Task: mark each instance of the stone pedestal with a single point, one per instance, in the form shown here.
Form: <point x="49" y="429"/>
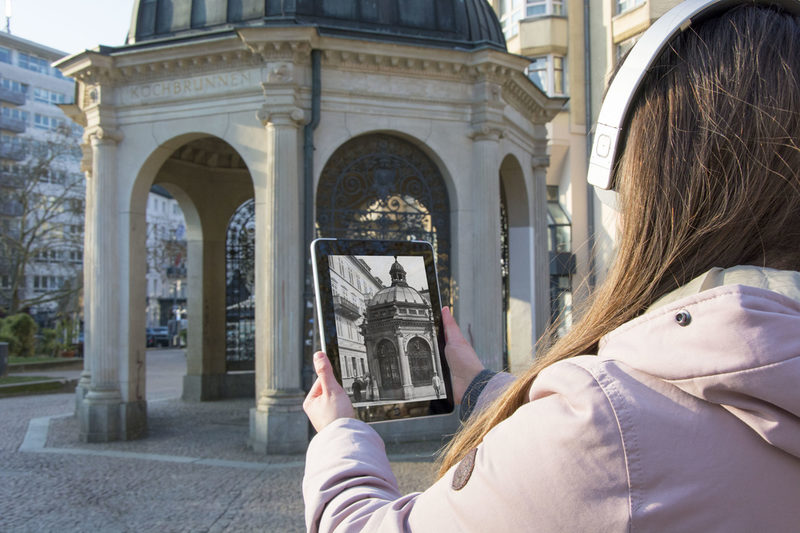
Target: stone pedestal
<point x="278" y="424"/>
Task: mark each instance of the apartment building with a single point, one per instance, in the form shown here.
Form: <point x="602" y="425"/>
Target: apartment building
<point x="166" y="258"/>
<point x="573" y="47"/>
<point x="42" y="187"/>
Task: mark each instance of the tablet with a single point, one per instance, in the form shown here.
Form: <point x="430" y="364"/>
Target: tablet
<point x="380" y="322"/>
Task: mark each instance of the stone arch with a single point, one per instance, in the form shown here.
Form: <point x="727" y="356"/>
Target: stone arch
<point x="381" y="185"/>
<point x="517" y="265"/>
<point x="209" y="179"/>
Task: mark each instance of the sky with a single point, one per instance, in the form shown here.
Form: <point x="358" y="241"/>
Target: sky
<point x="414" y="267"/>
<point x="70" y="25"/>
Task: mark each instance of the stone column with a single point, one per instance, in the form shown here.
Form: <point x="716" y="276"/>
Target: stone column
<point x="405" y="369"/>
<point x="99" y="415"/>
<point x="486" y="307"/>
<point x="85" y="381"/>
<point x="541" y="256"/>
<point x="277" y="423"/>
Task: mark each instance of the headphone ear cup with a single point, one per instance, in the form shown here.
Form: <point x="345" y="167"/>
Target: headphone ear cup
<point x="624" y="87"/>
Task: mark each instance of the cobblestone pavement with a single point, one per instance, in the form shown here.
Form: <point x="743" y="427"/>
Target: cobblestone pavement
<point x="193" y="472"/>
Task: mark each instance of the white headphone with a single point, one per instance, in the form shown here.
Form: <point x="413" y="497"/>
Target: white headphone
<point x="622" y="92"/>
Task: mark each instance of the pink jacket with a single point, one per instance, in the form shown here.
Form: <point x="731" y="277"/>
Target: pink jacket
<point x="690" y="425"/>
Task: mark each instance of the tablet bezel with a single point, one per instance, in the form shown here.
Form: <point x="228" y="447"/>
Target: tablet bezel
<point x="321" y="250"/>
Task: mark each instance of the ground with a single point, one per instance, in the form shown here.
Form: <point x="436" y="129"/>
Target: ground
<point x="193" y="472"/>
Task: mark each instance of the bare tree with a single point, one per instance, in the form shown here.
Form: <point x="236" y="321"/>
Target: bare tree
<point x="41" y="224"/>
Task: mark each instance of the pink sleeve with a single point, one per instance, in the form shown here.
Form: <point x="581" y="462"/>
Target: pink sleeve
<point x="557" y="464"/>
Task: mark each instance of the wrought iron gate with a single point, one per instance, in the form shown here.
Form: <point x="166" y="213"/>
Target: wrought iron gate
<point x="239" y="289"/>
<point x="383" y="187"/>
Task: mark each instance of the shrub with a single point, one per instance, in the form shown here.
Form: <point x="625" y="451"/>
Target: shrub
<point x="48" y="343"/>
<point x="21" y="330"/>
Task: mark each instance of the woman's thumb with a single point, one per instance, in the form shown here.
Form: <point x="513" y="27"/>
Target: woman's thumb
<point x="324" y="371"/>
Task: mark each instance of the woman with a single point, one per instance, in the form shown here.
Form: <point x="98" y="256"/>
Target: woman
<point x="685" y="415"/>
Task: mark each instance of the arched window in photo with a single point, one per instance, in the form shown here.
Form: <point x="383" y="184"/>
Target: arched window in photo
<point x="389" y="365"/>
<point x="420" y="362"/>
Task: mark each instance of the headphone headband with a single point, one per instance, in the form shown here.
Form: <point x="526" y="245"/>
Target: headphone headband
<point x="626" y="83"/>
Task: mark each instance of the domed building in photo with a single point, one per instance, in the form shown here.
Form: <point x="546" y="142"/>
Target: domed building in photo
<point x="272" y="122"/>
<point x="400" y="339"/>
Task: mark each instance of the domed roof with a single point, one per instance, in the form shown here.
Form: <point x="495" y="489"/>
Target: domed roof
<point x="399" y="292"/>
<point x="445" y="23"/>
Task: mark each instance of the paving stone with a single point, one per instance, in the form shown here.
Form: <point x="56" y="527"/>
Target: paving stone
<point x="193" y="472"/>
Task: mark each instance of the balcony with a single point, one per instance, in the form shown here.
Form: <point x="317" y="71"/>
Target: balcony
<point x="12" y="152"/>
<point x="12" y="97"/>
<point x="16" y="125"/>
<point x="543" y="35"/>
<point x="11" y="181"/>
<point x="11" y="209"/>
<point x="345" y="307"/>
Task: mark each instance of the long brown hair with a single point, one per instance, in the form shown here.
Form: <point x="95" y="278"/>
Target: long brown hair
<point x="709" y="177"/>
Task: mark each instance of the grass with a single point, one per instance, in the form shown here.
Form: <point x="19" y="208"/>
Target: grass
<point x="16" y="380"/>
<point x="37" y="359"/>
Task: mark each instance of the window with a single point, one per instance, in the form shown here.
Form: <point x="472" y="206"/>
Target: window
<point x="76" y="256"/>
<point x="15" y="113"/>
<point x="48" y="97"/>
<point x="33" y="63"/>
<point x="512" y="11"/>
<point x="5" y="54"/>
<point x="626" y="5"/>
<point x="547" y="73"/>
<point x="43" y="122"/>
<point x="14" y="86"/>
<point x="540" y="8"/>
<point x="5" y="282"/>
<point x="624" y="47"/>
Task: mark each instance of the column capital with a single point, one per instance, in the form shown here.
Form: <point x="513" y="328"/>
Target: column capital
<point x="486" y="132"/>
<point x="540" y="162"/>
<point x="100" y="133"/>
<point x="281" y="116"/>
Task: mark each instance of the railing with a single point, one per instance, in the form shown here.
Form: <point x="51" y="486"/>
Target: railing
<point x="17" y="125"/>
<point x="12" y="97"/>
<point x="10" y="151"/>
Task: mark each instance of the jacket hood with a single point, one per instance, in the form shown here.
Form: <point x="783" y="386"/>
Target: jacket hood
<point x="737" y="346"/>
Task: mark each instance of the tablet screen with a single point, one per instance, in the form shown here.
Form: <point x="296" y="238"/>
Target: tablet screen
<point x="381" y="326"/>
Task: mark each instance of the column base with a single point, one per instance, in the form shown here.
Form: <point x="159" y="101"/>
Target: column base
<point x="211" y="387"/>
<point x="104" y="417"/>
<point x="278" y="424"/>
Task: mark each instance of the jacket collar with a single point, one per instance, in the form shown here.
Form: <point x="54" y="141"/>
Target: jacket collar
<point x="740" y="349"/>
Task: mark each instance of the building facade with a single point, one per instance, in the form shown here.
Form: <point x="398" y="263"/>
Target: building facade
<point x="336" y="119"/>
<point x="166" y="259"/>
<point x="573" y="47"/>
<point x="43" y="188"/>
<point x="353" y="284"/>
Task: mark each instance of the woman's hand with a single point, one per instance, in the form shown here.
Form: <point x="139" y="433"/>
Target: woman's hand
<point x="462" y="359"/>
<point x="327" y="400"/>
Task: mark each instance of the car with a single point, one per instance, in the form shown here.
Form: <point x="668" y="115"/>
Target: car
<point x="158" y="336"/>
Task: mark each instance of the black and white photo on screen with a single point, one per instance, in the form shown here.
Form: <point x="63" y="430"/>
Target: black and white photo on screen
<point x="388" y="352"/>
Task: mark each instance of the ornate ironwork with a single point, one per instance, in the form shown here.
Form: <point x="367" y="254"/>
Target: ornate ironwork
<point x="389" y="365"/>
<point x="505" y="273"/>
<point x="420" y="362"/>
<point x="240" y="289"/>
<point x="382" y="187"/>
